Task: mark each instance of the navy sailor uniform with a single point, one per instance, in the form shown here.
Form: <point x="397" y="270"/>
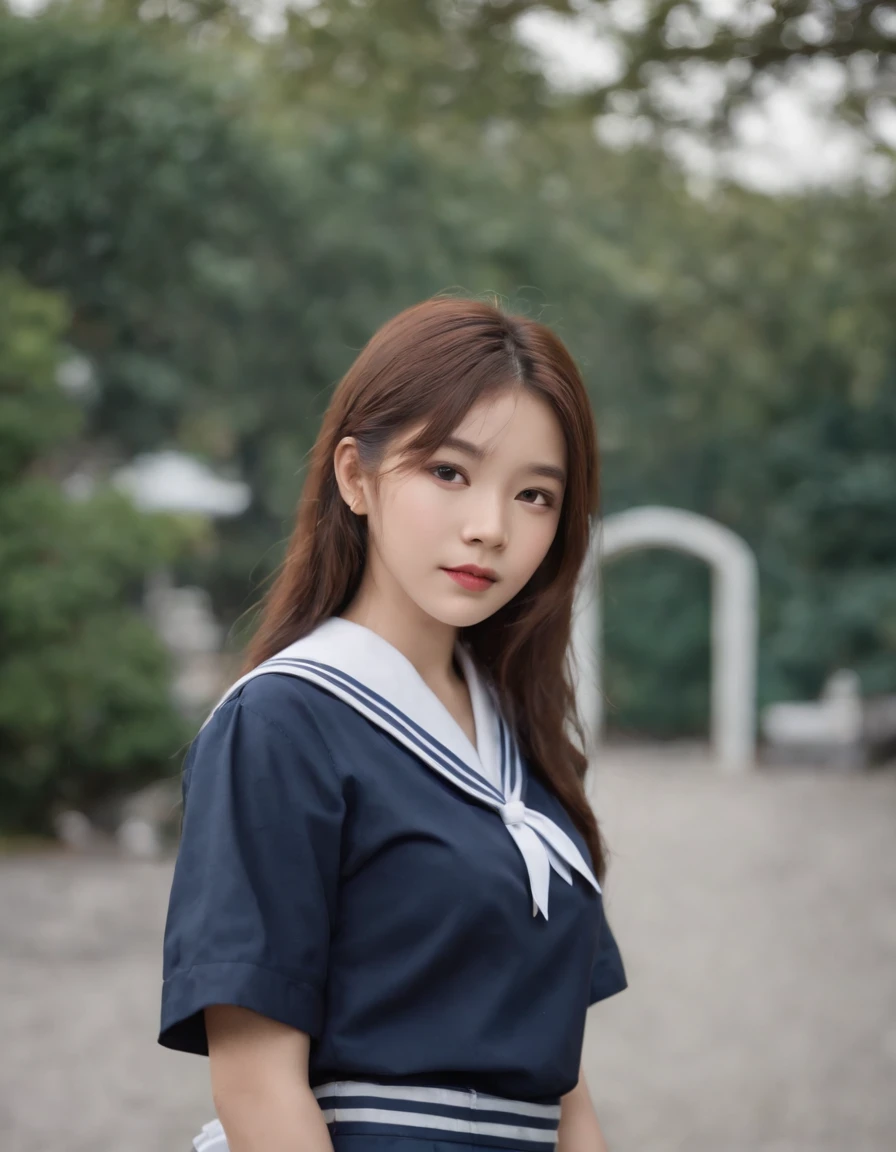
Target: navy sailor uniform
<point x="353" y="866"/>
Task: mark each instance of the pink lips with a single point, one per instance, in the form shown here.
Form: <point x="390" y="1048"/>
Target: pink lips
<point x="470" y="579"/>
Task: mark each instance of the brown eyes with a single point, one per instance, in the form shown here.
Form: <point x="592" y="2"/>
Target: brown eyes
<point x="536" y="492"/>
<point x="448" y="473"/>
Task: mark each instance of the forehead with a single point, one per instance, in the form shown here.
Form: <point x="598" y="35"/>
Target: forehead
<point x="513" y="423"/>
<point x="506" y="426"/>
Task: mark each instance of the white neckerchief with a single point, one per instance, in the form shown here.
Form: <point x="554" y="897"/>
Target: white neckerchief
<point x="357" y="665"/>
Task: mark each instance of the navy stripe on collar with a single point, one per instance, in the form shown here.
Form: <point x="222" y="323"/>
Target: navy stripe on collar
<point x="394" y="717"/>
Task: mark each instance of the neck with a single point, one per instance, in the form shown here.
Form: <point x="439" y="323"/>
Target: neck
<point x="427" y="643"/>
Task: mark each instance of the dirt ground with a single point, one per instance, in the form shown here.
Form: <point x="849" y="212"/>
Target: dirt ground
<point x="757" y="920"/>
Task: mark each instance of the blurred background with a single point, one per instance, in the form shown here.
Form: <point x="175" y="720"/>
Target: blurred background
<point x="206" y="208"/>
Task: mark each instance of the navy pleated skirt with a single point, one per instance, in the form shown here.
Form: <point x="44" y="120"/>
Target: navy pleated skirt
<point x="368" y="1142"/>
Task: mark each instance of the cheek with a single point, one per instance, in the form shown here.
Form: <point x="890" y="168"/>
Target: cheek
<point x="411" y="514"/>
<point x="535" y="534"/>
<point x="421" y="501"/>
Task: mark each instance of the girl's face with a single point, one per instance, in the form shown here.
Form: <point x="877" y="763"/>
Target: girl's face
<point x="489" y="497"/>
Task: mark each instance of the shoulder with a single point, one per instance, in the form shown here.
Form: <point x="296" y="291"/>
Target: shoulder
<point x="284" y="702"/>
<point x="272" y="723"/>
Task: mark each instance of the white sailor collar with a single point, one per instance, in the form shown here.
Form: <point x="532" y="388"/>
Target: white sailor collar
<point x="363" y="669"/>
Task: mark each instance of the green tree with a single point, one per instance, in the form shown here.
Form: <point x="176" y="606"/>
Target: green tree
<point x="747" y="46"/>
<point x="85" y="706"/>
<point x="739" y="349"/>
<point x="414" y="65"/>
<point x="129" y="185"/>
<point x="762" y="393"/>
<point x="131" y="182"/>
<point x="421" y="63"/>
<point x="222" y="274"/>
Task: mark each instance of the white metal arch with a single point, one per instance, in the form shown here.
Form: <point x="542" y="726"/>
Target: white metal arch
<point x="734" y="620"/>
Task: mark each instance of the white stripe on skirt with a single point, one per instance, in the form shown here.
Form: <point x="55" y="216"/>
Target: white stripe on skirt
<point x="430" y="1113"/>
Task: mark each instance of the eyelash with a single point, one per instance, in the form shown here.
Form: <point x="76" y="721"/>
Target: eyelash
<point x="548" y="496"/>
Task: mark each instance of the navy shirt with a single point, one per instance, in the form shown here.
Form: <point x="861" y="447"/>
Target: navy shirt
<point x="328" y="879"/>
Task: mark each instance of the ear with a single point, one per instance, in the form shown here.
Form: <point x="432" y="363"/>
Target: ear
<point x="349" y="475"/>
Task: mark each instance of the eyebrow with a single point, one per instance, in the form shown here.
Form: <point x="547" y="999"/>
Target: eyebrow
<point x="550" y="471"/>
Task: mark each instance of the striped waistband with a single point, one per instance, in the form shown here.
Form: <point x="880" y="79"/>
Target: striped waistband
<point x="353" y="1106"/>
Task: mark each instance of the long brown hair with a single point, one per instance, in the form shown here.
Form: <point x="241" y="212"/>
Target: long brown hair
<point x="429" y="365"/>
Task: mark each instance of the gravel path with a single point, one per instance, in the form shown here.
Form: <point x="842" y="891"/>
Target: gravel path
<point x="757" y="918"/>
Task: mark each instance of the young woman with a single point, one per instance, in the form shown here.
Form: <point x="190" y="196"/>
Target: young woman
<point x="386" y="923"/>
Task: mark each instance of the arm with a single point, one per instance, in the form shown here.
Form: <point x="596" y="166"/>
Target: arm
<point x="579" y="1129"/>
<point x="259" y="1074"/>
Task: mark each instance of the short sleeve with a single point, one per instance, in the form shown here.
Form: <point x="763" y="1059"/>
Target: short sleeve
<point x="255" y="883"/>
<point x="607" y="971"/>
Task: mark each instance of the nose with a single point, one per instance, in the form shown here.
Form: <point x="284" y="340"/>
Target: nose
<point x="487" y="521"/>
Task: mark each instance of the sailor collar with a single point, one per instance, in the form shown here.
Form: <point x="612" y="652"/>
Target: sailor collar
<point x="360" y="667"/>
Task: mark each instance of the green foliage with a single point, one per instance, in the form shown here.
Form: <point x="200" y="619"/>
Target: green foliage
<point x="231" y="222"/>
<point x="130" y="186"/>
<point x="419" y="64"/>
<point x="221" y="277"/>
<point x="407" y="64"/>
<point x="31" y="417"/>
<point x="85" y="707"/>
<point x="657" y="645"/>
<point x="763" y="394"/>
<point x="743" y="47"/>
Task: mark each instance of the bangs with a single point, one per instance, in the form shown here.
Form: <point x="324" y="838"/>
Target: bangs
<point x="485" y="381"/>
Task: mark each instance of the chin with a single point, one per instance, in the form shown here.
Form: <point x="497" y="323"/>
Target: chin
<point x="458" y="615"/>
